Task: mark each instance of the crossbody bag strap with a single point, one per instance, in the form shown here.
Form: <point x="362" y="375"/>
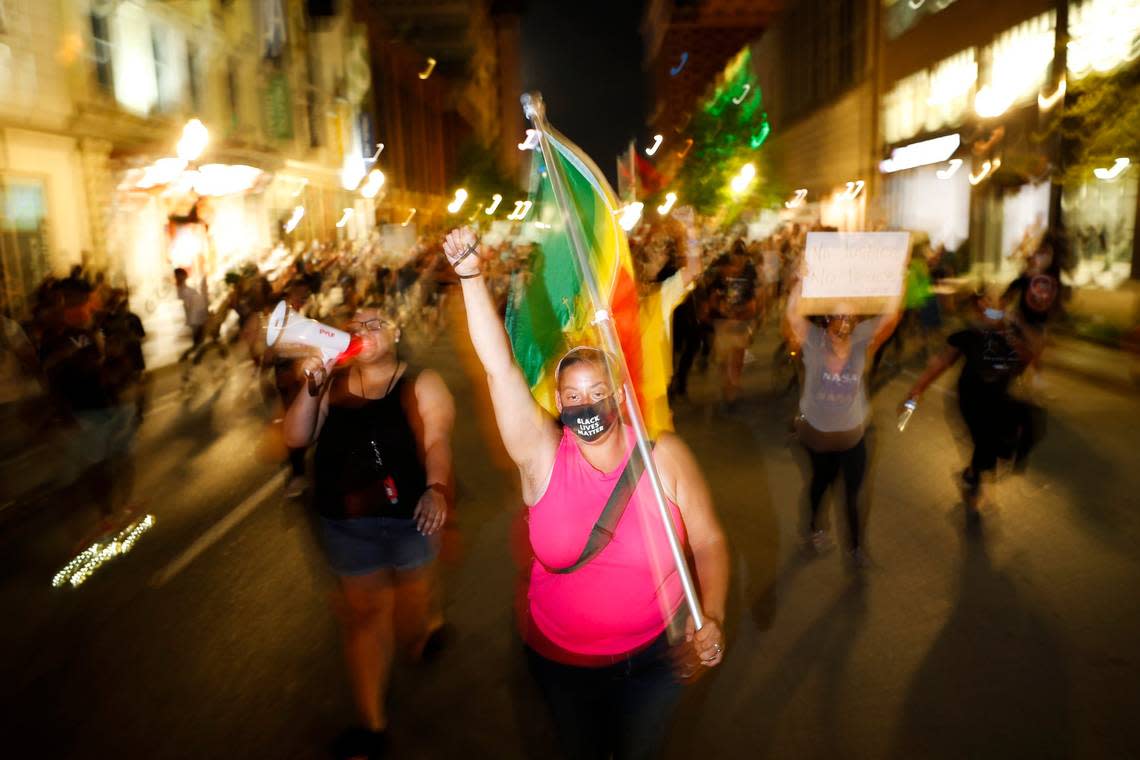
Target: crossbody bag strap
<point x="603" y="531"/>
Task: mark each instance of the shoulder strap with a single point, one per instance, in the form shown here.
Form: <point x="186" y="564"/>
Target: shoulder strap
<point x="603" y="531"/>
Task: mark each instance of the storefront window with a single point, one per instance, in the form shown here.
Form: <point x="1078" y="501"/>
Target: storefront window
<point x="136" y="86"/>
<point x="931" y="199"/>
<point x="1100" y="217"/>
<point x="1025" y="213"/>
<point x="931" y="99"/>
<point x="1016" y="65"/>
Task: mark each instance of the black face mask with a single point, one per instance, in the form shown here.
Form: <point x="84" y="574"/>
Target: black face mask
<point x="590" y="421"/>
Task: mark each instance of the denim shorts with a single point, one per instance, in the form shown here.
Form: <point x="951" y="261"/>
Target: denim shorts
<point x="363" y="545"/>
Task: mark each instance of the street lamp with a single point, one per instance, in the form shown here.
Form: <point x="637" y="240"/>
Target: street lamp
<point x="743" y="179"/>
<point x="194" y="139"/>
<point x="630" y="215"/>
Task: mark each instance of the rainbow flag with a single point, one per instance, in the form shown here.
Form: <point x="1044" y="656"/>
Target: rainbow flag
<point x="549" y="311"/>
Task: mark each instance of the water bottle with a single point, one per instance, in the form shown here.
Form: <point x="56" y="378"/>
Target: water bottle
<point x="905" y="415"/>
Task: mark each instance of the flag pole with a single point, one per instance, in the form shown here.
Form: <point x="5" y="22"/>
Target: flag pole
<point x="535" y="110"/>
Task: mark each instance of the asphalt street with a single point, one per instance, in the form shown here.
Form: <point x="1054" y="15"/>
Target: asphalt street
<point x="1011" y="637"/>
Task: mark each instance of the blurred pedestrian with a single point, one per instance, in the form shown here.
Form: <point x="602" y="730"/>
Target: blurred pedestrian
<point x="382" y="487"/>
<point x="834" y="410"/>
<point x="997" y="348"/>
<point x="598" y="620"/>
<point x="197" y="311"/>
<point x="734" y="308"/>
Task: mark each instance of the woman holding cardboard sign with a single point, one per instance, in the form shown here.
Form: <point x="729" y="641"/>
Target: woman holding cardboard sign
<point x="833" y="406"/>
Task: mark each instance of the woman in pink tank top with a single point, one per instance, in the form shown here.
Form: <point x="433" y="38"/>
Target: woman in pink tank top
<point x="597" y="626"/>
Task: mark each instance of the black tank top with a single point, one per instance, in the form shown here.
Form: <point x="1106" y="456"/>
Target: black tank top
<point x="368" y="458"/>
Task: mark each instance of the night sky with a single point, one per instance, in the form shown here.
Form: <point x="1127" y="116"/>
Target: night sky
<point x="585" y="57"/>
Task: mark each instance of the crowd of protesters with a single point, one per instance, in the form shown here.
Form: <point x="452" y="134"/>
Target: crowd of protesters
<point x="383" y="484"/>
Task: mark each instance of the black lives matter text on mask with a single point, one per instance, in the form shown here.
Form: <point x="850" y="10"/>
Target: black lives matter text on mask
<point x="589" y="426"/>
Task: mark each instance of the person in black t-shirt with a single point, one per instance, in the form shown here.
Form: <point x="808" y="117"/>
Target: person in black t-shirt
<point x="382" y="487"/>
<point x="996" y="350"/>
<point x="1036" y="294"/>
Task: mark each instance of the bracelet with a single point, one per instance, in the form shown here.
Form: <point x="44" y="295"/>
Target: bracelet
<point x="470" y="250"/>
<point x="469" y="276"/>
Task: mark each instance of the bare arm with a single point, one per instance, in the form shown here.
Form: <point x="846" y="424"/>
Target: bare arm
<point x="306" y="415"/>
<point x="934" y="370"/>
<point x="888" y="323"/>
<point x="436" y="410"/>
<point x="795" y="326"/>
<point x="529" y="434"/>
<point x="685" y="485"/>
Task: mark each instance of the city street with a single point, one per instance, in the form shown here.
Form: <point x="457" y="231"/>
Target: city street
<point x="1012" y="637"/>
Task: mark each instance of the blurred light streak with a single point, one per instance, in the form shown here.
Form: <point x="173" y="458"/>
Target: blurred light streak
<point x="990" y="104"/>
<point x="922" y="153"/>
<point x="688" y="147"/>
<point x="295" y="218"/>
<point x="743" y="179"/>
<point x="798" y="199"/>
<point x="496" y="199"/>
<point x="657" y="140"/>
<point x="531" y="141"/>
<point x="854" y="190"/>
<point x="667" y="206"/>
<point x="988" y="168"/>
<point x="630" y="215"/>
<point x="373" y="184"/>
<point x="376" y="155"/>
<point x="743" y="94"/>
<point x="194" y="139"/>
<point x="83" y="566"/>
<point x="224" y="179"/>
<point x="430" y="68"/>
<point x="161" y="172"/>
<point x="457" y="203"/>
<point x="522" y="208"/>
<point x="301" y="189"/>
<point x="408" y="221"/>
<point x="344" y="218"/>
<point x="677" y="69"/>
<point x="951" y="170"/>
<point x="1115" y="171"/>
<point x="915" y="6"/>
<point x="1045" y="102"/>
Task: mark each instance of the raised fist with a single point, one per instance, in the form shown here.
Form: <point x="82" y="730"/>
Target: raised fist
<point x="462" y="251"/>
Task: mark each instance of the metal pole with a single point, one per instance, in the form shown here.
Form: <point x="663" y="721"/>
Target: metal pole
<point x="535" y="110"/>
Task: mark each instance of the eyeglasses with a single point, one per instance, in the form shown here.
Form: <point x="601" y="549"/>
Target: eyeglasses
<point x="369" y="325"/>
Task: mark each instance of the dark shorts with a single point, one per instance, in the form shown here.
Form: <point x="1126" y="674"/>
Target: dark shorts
<point x="363" y="545"/>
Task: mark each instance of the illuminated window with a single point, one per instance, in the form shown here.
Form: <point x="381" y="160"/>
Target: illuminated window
<point x="1018" y="63"/>
<point x="1103" y="34"/>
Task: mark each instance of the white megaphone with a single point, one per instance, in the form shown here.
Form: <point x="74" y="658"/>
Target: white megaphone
<point x="287" y="328"/>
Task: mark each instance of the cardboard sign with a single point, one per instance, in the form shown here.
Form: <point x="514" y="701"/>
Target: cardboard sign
<point x="854" y="272"/>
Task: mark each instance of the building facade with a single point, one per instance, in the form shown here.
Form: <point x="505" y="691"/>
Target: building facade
<point x="96" y="168"/>
<point x="970" y="91"/>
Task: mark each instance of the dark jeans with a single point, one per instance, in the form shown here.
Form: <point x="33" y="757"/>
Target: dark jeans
<point x="1000" y="428"/>
<point x="620" y="711"/>
<point x="825" y="466"/>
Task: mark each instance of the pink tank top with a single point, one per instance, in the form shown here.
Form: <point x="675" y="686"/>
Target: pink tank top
<point x="621" y="599"/>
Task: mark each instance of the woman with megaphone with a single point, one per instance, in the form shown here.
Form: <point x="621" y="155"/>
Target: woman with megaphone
<point x="382" y="488"/>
